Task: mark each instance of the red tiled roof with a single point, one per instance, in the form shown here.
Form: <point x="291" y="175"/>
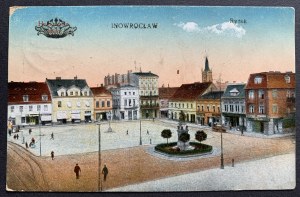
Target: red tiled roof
<point x="100" y="90"/>
<point x="190" y="91"/>
<point x="166" y="93"/>
<point x="271" y="80"/>
<point x="34" y="90"/>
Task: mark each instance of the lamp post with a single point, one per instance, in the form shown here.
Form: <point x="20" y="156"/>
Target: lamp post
<point x="99" y="159"/>
<point x="222" y="158"/>
<point x="140" y="131"/>
<point x="40" y="133"/>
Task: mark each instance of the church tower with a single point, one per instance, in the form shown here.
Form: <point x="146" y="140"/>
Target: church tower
<point x="207" y="73"/>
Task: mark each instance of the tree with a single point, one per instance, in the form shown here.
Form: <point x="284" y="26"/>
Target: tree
<point x="184" y="137"/>
<point x="200" y="136"/>
<point x="166" y="133"/>
<point x="181" y="116"/>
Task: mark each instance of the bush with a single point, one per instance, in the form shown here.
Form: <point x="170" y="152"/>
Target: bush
<point x="198" y="149"/>
<point x="288" y="123"/>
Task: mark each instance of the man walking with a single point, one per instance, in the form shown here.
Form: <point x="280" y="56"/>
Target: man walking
<point x="105" y="172"/>
<point x="52" y="155"/>
<point x="77" y="170"/>
<point x="52" y="136"/>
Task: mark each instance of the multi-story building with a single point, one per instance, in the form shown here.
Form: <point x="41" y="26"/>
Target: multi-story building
<point x="28" y="103"/>
<point x="72" y="100"/>
<point x="233" y="106"/>
<point x="112" y="81"/>
<point x="102" y="103"/>
<point x="268" y="96"/>
<point x="147" y="84"/>
<point x="208" y="108"/>
<point x="125" y="103"/>
<point x="165" y="93"/>
<point x="185" y="98"/>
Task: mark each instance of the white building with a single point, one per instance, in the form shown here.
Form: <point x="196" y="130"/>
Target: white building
<point x="126" y="103"/>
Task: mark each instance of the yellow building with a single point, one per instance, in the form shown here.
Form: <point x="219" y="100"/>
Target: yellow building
<point x="72" y="100"/>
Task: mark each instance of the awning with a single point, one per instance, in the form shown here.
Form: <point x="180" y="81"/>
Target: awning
<point x="46" y="117"/>
<point x="61" y="115"/>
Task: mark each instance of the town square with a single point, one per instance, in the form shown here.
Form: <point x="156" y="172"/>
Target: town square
<point x="174" y="101"/>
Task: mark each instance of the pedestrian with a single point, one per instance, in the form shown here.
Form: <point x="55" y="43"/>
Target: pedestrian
<point x="30" y="131"/>
<point x="33" y="140"/>
<point x="26" y="145"/>
<point x="232" y="162"/>
<point x="150" y="141"/>
<point x="242" y="131"/>
<point x="52" y="155"/>
<point x="153" y="119"/>
<point x="105" y="172"/>
<point x="52" y="136"/>
<point x="17" y="136"/>
<point x="127" y="132"/>
<point x="77" y="170"/>
<point x="147" y="132"/>
<point x="9" y="132"/>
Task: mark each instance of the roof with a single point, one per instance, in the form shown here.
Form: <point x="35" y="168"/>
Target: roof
<point x="191" y="91"/>
<point x="100" y="91"/>
<point x="212" y="95"/>
<point x="34" y="90"/>
<point x="145" y="74"/>
<point x="235" y="88"/>
<point x="271" y="80"/>
<point x="223" y="86"/>
<point x="167" y="92"/>
<point x="206" y="65"/>
<point x="55" y="84"/>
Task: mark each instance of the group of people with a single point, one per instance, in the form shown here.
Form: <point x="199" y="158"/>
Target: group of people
<point x="77" y="171"/>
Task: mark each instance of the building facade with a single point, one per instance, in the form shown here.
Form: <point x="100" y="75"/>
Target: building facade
<point x="72" y="100"/>
<point x="147" y="84"/>
<point x="102" y="103"/>
<point x="268" y="96"/>
<point x="125" y="103"/>
<point x="185" y="99"/>
<point x="233" y="106"/>
<point x="165" y="93"/>
<point x="28" y="103"/>
<point x="112" y="81"/>
<point x="208" y="108"/>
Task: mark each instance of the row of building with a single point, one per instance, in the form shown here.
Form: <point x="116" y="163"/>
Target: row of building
<point x="261" y="105"/>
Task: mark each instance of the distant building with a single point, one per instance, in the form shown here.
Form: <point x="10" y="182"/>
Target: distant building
<point x="147" y="84"/>
<point x="115" y="80"/>
<point x="72" y="100"/>
<point x="207" y="73"/>
<point x="165" y="93"/>
<point x="233" y="106"/>
<point x="126" y="103"/>
<point x="185" y="98"/>
<point x="270" y="98"/>
<point x="27" y="101"/>
<point x="102" y="103"/>
<point x="208" y="108"/>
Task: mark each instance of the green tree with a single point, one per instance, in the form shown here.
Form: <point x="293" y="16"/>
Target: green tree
<point x="184" y="137"/>
<point x="200" y="136"/>
<point x="166" y="133"/>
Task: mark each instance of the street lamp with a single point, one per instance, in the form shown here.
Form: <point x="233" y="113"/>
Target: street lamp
<point x="99" y="159"/>
<point x="40" y="133"/>
<point x="140" y="131"/>
<point x="109" y="118"/>
<point x="222" y="158"/>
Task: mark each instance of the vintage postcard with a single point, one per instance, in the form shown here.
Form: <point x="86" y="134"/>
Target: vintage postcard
<point x="151" y="98"/>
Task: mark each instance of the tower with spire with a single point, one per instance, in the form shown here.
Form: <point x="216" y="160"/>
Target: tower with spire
<point x="207" y="73"/>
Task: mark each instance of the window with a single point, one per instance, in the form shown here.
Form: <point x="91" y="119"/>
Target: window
<point x="25" y="98"/>
<point x="251" y="94"/>
<point x="21" y="109"/>
<point x="198" y="108"/>
<point x="125" y="93"/>
<point x="129" y="101"/>
<point x="191" y="105"/>
<point x="287" y="79"/>
<point x="125" y="102"/>
<point x="243" y="109"/>
<point x="97" y="104"/>
<point x="231" y="108"/>
<point x="76" y="93"/>
<point x="62" y="94"/>
<point x="179" y="105"/>
<point x="257" y="80"/>
<point x="59" y="104"/>
<point x="226" y="108"/>
<point x="275" y="108"/>
<point x="288" y="93"/>
<point x="214" y="108"/>
<point x="237" y="108"/>
<point x="12" y="108"/>
<point x="129" y="93"/>
<point x="218" y="108"/>
<point x="108" y="103"/>
<point x="45" y="107"/>
<point x="133" y="102"/>
<point x="38" y="107"/>
<point x="261" y="94"/>
<point x="30" y="107"/>
<point x="234" y="92"/>
<point x="274" y="93"/>
<point x="133" y="93"/>
<point x="261" y="109"/>
<point x="102" y="104"/>
<point x="207" y="107"/>
<point x="251" y="108"/>
<point x="85" y="93"/>
<point x="44" y="97"/>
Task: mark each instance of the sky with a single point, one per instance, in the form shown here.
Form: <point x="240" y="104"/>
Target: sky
<point x="183" y="38"/>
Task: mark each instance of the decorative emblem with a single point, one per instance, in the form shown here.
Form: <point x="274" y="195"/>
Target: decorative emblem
<point x="55" y="28"/>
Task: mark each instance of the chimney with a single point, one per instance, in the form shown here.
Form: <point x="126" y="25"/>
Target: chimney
<point x="233" y="81"/>
<point x="58" y="78"/>
<point x="75" y="77"/>
<point x="101" y="84"/>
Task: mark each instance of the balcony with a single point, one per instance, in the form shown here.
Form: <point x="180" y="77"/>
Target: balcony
<point x="150" y="106"/>
<point x="131" y="107"/>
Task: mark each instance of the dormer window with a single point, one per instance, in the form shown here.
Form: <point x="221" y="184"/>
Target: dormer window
<point x="257" y="80"/>
<point x="234" y="92"/>
<point x="287" y="79"/>
<point x="25" y="98"/>
<point x="44" y="97"/>
<point x="71" y="93"/>
<point x="62" y="94"/>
